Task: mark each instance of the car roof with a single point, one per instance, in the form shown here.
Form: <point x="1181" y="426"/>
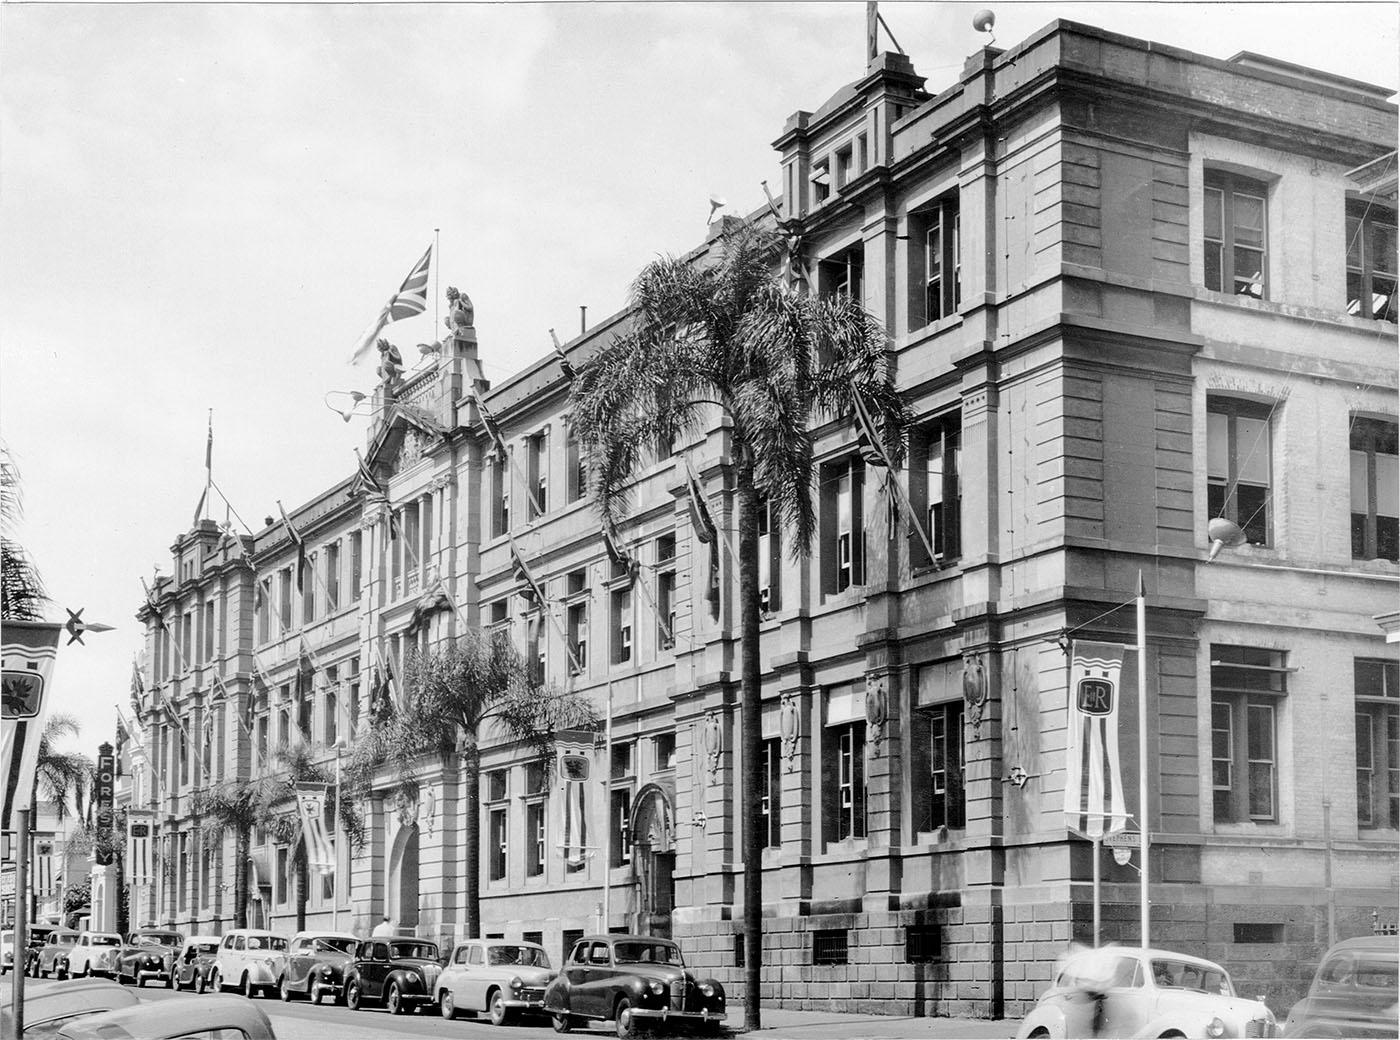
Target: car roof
<point x="325" y="935"/>
<point x="629" y="938"/>
<point x="156" y="931"/>
<point x="1152" y="953"/>
<point x="1384" y="943"/>
<point x="103" y="935"/>
<point x="66" y="998"/>
<point x="203" y="938"/>
<point x="171" y="1018"/>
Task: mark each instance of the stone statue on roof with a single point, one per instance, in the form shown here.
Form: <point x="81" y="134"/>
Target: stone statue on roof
<point x="462" y="314"/>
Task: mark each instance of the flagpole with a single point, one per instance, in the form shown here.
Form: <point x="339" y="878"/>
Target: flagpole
<point x="21" y="918"/>
<point x="1142" y="761"/>
<point x="437" y="274"/>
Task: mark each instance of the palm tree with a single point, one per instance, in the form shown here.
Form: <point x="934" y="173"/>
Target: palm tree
<point x="772" y="359"/>
<point x="21" y="589"/>
<point x="62" y="775"/>
<point x="237" y="806"/>
<point x="453" y="691"/>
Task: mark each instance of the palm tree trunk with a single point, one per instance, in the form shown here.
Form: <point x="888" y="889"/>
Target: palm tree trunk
<point x="240" y="878"/>
<point x="299" y="862"/>
<point x="471" y="837"/>
<point x="751" y="756"/>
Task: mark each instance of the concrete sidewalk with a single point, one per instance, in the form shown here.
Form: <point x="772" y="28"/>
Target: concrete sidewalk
<point x="830" y="1025"/>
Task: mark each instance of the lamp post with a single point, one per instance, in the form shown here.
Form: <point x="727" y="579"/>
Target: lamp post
<point x="1142" y="753"/>
<point x="336" y="893"/>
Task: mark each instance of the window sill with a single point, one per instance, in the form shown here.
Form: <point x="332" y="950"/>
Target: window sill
<point x="1246" y="828"/>
<point x="846" y="848"/>
<point x="933" y="328"/>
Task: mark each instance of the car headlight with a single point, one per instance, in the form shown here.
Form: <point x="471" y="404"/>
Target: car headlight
<point x="707" y="989"/>
<point x="517" y="983"/>
<point x="657" y="987"/>
<point x="327" y="971"/>
<point x="1215" y="1027"/>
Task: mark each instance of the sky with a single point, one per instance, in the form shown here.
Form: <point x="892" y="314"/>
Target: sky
<point x="202" y="206"/>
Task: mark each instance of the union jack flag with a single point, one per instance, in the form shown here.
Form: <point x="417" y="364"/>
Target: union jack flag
<point x="411" y="299"/>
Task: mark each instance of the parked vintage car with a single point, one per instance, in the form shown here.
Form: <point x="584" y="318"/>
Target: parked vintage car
<point x="1354" y="992"/>
<point x="503" y="978"/>
<point x="636" y="981"/>
<point x="7" y="950"/>
<point x="316" y="966"/>
<point x="149" y="954"/>
<point x="401" y="974"/>
<point x="95" y="953"/>
<point x="53" y="955"/>
<point x="50" y="1009"/>
<point x="194" y="962"/>
<point x="38" y="938"/>
<point x="203" y="1017"/>
<point x="250" y="960"/>
<point x="1145" y="993"/>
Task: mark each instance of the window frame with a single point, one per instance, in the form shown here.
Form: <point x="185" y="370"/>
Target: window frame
<point x="934" y="267"/>
<point x="843" y="764"/>
<point x="1229" y="187"/>
<point x="843" y="565"/>
<point x="1362" y="217"/>
<point x="1248" y="687"/>
<point x="1223" y="493"/>
<point x="1377" y="699"/>
<point x="1367" y="437"/>
<point x="771" y="801"/>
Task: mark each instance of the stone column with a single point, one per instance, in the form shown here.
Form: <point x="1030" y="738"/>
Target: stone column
<point x="799" y="810"/>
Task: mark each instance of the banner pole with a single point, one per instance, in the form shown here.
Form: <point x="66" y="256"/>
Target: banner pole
<point x="1142" y="756"/>
<point x="1097" y="845"/>
<point x="21" y="918"/>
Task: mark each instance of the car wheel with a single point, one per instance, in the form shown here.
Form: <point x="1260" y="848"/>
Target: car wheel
<point x="61" y="973"/>
<point x="563" y="1023"/>
<point x="313" y="993"/>
<point x="249" y="990"/>
<point x="283" y="991"/>
<point x="394" y="1000"/>
<point x="446" y="1005"/>
<point x="1041" y="1034"/>
<point x="500" y="1014"/>
<point x="87" y="971"/>
<point x="622" y="1019"/>
<point x="200" y="982"/>
<point x="170" y="981"/>
<point x="352" y="996"/>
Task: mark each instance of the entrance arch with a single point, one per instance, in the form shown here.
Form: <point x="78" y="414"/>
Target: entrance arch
<point x="654" y="858"/>
<point x="401" y="893"/>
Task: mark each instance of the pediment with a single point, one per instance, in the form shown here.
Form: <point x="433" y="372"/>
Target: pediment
<point x="407" y="435"/>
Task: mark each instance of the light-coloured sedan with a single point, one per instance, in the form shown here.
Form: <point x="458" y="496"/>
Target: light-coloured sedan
<point x="95" y="953"/>
<point x="250" y="960"/>
<point x="501" y="978"/>
<point x="1147" y="993"/>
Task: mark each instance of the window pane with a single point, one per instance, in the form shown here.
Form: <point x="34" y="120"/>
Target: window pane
<point x="1353" y="241"/>
<point x="1252" y="449"/>
<point x="1261" y="789"/>
<point x="1387" y="485"/>
<point x="1213" y="203"/>
<point x="1253" y="515"/>
<point x="1380" y="247"/>
<point x="1249" y="219"/>
<point x="1359" y="488"/>
<point x="1214" y="265"/>
<point x="1249" y="272"/>
<point x="1261" y="733"/>
<point x="1218" y="445"/>
<point x="1355" y="290"/>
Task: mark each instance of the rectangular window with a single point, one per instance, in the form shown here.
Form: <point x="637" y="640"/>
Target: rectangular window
<point x="308" y="591"/>
<point x="923" y="943"/>
<point x="186" y="640"/>
<point x="284" y="876"/>
<point x="841" y="274"/>
<point x="500" y="496"/>
<point x="770" y="560"/>
<point x="666" y="609"/>
<point x="356" y="564"/>
<point x="1371" y="245"/>
<point x="209" y="629"/>
<point x="262" y="608"/>
<point x="332" y="711"/>
<point x="843" y="762"/>
<point x="284" y="599"/>
<point x="663" y="752"/>
<point x="940" y="798"/>
<point x="262" y="738"/>
<point x="534" y="839"/>
<point x="535" y="648"/>
<point x="1377" y="686"/>
<point x="1247" y="687"/>
<point x="843" y="530"/>
<point x="578" y="638"/>
<point x="935" y="262"/>
<point x="935" y="489"/>
<point x="830" y="946"/>
<point x="620" y="817"/>
<point x="1375" y="490"/>
<point x="621" y="621"/>
<point x="1239" y="465"/>
<point x="620" y="765"/>
<point x="427" y="511"/>
<point x="537" y="473"/>
<point x="845" y="161"/>
<point x="497" y="785"/>
<point x="771" y="804"/>
<point x="497" y="833"/>
<point x="821" y="181"/>
<point x="332" y="577"/>
<point x="1252" y="932"/>
<point x="1236" y="235"/>
<point x="575" y="469"/>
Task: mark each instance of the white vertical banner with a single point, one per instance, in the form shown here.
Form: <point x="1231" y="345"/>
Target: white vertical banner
<point x="140" y="829"/>
<point x="311" y="803"/>
<point x="27" y="656"/>
<point x="41" y="875"/>
<point x="1094" y="803"/>
<point x="574" y="750"/>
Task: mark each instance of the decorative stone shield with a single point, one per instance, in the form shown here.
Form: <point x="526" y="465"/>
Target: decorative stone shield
<point x="876" y="712"/>
<point x="974" y="689"/>
<point x="789" y="728"/>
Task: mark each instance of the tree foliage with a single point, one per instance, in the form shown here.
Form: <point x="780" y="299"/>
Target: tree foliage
<point x="724" y="334"/>
<point x="63" y="777"/>
<point x="21" y="589"/>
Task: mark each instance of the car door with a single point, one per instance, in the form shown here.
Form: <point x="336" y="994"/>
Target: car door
<point x="579" y="973"/>
<point x="1128" y="1005"/>
<point x="299" y="962"/>
<point x="376" y="970"/>
<point x="472" y="988"/>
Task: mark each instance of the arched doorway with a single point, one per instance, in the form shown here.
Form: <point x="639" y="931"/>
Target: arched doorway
<point x="401" y="894"/>
<point x="654" y="859"/>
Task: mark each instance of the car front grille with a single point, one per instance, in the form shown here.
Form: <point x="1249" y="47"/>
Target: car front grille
<point x="678" y="994"/>
<point x="1260" y="1027"/>
<point x="530" y="993"/>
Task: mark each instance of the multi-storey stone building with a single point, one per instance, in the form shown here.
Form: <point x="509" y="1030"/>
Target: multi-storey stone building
<point x="1129" y="290"/>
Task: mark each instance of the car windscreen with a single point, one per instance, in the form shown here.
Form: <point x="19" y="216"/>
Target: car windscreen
<point x="423" y="951"/>
<point x="157" y="940"/>
<point x="207" y="947"/>
<point x="326" y="944"/>
<point x="646" y="953"/>
<point x="1169" y="974"/>
<point x="267" y="942"/>
<point x="106" y="940"/>
<point x="523" y="956"/>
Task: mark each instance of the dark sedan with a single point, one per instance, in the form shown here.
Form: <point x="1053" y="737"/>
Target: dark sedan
<point x="149" y="954"/>
<point x="400" y="974"/>
<point x="317" y="963"/>
<point x="194" y="964"/>
<point x="635" y="981"/>
<point x="1355" y="992"/>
